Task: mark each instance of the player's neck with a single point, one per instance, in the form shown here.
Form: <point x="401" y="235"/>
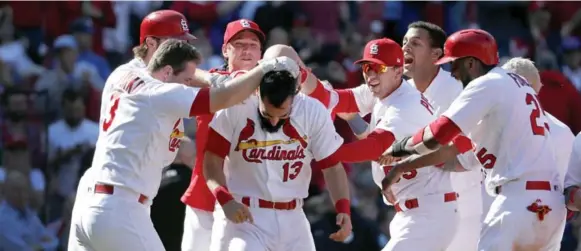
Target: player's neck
<point x="424" y="78"/>
<point x="392" y="90"/>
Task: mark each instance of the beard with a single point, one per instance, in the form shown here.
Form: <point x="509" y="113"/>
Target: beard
<point x="268" y="127"/>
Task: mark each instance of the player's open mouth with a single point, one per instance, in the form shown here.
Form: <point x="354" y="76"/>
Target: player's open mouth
<point x="408" y="60"/>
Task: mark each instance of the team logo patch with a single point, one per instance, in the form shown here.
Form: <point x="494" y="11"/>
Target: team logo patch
<point x="184" y="24"/>
<point x="374" y="49"/>
<point x="245" y="23"/>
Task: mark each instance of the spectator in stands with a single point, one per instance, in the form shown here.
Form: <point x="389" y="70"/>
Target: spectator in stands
<point x="21" y="229"/>
<point x="559" y="98"/>
<point x="17" y="123"/>
<point x="68" y="73"/>
<point x="60" y="228"/>
<point x="16" y="157"/>
<point x="277" y="36"/>
<point x="60" y="15"/>
<point x="572" y="60"/>
<point x="69" y="140"/>
<point x="82" y="29"/>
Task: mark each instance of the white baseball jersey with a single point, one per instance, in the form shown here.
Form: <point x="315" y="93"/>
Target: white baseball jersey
<point x="275" y="166"/>
<point x="573" y="176"/>
<point x="403" y="113"/>
<point x="562" y="140"/>
<point x="441" y="93"/>
<point x="140" y="128"/>
<point x="502" y="116"/>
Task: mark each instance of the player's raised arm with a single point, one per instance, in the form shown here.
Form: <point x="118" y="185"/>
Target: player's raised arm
<point x="238" y="89"/>
<point x="479" y="97"/>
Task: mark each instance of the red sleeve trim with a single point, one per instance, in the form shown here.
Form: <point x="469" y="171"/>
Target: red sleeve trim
<point x="347" y="102"/>
<point x="444" y="130"/>
<point x="572" y="194"/>
<point x="201" y="104"/>
<point x="222" y="195"/>
<point x="321" y="94"/>
<point x="217" y="144"/>
<point x="343" y="206"/>
<point x="367" y="149"/>
<point x="463" y="144"/>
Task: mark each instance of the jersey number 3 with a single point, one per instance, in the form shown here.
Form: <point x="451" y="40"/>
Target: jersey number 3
<point x="112" y="111"/>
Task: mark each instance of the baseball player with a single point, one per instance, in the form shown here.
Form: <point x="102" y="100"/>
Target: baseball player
<point x="243" y="42"/>
<point x="511" y="143"/>
<point x="141" y="126"/>
<point x="423" y="44"/>
<point x="573" y="178"/>
<point x="561" y="136"/>
<point x="397" y="109"/>
<point x="270" y="140"/>
<point x="155" y="28"/>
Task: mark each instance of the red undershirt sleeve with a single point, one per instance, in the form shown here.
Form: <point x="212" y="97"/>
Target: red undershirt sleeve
<point x="201" y="104"/>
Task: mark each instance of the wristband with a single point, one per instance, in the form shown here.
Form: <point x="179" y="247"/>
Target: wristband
<point x="572" y="194"/>
<point x="222" y="195"/>
<point x="343" y="206"/>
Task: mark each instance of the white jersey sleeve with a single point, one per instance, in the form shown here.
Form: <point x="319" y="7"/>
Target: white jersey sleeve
<point x="478" y="99"/>
<point x="324" y="138"/>
<point x="364" y="99"/>
<point x="176" y="99"/>
<point x="224" y="122"/>
<point x="573" y="176"/>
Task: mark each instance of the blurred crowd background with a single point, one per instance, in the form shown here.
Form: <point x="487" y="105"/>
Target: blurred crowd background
<point x="56" y="56"/>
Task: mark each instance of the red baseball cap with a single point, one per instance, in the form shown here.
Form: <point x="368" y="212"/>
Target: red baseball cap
<point x="240" y="25"/>
<point x="382" y="51"/>
<point x="165" y="23"/>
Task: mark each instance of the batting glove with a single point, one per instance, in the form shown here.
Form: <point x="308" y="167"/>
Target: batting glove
<point x="280" y="64"/>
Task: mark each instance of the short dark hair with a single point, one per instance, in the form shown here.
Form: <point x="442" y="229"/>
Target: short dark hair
<point x="71" y="95"/>
<point x="437" y="34"/>
<point x="175" y="53"/>
<point x="277" y="86"/>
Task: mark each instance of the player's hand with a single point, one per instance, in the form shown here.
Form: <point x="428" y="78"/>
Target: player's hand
<point x="281" y="63"/>
<point x="391" y="178"/>
<point x="387" y="159"/>
<point x="344" y="222"/>
<point x="237" y="212"/>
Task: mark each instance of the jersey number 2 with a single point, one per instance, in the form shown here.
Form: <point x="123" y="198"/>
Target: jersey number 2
<point x="291" y="171"/>
<point x="109" y="120"/>
<point x="531" y="99"/>
<point x="536" y="114"/>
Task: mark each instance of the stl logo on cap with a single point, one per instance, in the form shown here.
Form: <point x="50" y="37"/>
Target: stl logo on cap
<point x="245" y="23"/>
<point x="374" y="49"/>
<point x="184" y="24"/>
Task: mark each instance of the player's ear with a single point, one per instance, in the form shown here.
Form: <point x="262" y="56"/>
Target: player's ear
<point x="437" y="53"/>
<point x="224" y="51"/>
<point x="167" y="72"/>
<point x="151" y="43"/>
